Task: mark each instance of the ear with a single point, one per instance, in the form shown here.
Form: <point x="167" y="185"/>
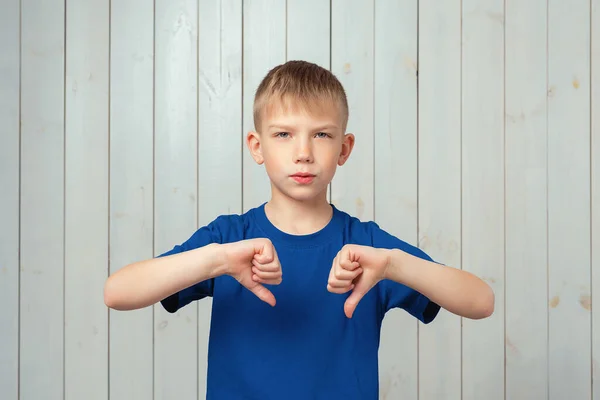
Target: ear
<point x="253" y="143"/>
<point x="347" y="146"/>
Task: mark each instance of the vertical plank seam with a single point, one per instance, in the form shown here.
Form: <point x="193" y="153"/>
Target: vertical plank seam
<point x="197" y="179"/>
<point x="461" y="188"/>
<point x="242" y="17"/>
<point x="591" y="122"/>
<point x="547" y="207"/>
<point x="153" y="182"/>
<point x="286" y="30"/>
<point x="504" y="184"/>
<point x="220" y="44"/>
<point x="64" y="184"/>
<point x="109" y="186"/>
<point x="20" y="201"/>
<point x="417" y="133"/>
<point x="331" y="69"/>
<point x="373" y="188"/>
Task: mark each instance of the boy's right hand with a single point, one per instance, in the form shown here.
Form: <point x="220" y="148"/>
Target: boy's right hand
<point x="252" y="263"/>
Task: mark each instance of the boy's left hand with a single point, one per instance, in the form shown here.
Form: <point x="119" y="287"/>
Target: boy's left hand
<point x="357" y="268"/>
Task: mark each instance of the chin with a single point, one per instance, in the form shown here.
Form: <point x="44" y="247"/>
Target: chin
<point x="304" y="194"/>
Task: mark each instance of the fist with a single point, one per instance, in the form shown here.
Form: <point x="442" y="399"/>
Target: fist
<point x="254" y="263"/>
<point x="356" y="268"/>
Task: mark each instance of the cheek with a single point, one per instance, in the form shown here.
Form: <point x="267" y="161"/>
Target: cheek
<point x="329" y="155"/>
<point x="272" y="157"/>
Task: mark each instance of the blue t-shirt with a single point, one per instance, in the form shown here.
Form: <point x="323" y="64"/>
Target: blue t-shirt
<point x="305" y="347"/>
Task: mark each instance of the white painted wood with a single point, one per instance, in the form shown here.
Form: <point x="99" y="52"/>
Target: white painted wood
<point x="439" y="207"/>
<point x="9" y="200"/>
<point x="483" y="191"/>
<point x="86" y="200"/>
<point x="60" y="222"/>
<point x="595" y="188"/>
<point x="219" y="136"/>
<point x="42" y="200"/>
<point x="308" y="32"/>
<point x="175" y="152"/>
<point x="395" y="177"/>
<point x="352" y="61"/>
<point x="264" y="48"/>
<point x="526" y="342"/>
<point x="220" y="133"/>
<point x="569" y="200"/>
<point x="131" y="189"/>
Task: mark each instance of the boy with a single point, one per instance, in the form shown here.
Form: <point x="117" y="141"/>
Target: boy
<point x="299" y="287"/>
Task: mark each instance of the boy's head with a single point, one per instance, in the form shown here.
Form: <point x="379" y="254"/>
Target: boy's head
<point x="300" y="119"/>
<point x="300" y="86"/>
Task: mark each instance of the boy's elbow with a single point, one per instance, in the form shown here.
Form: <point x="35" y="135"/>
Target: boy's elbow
<point x="111" y="296"/>
<point x="487" y="304"/>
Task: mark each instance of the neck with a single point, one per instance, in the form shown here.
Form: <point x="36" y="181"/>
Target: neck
<point x="299" y="217"/>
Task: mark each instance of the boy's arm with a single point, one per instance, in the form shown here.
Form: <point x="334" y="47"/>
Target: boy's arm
<point x="455" y="290"/>
<point x="359" y="268"/>
<point x="252" y="262"/>
<point x="144" y="283"/>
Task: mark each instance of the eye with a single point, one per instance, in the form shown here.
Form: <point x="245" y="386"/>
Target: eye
<point x="282" y="134"/>
<point x="322" y="135"/>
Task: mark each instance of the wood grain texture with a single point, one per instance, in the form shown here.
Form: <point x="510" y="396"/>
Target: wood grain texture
<point x="86" y="199"/>
<point x="220" y="144"/>
<point x="42" y="200"/>
<point x="526" y="341"/>
<point x="131" y="189"/>
<point x="264" y="48"/>
<point x="175" y="185"/>
<point x="569" y="199"/>
<point x="395" y="176"/>
<point x="220" y="134"/>
<point x="595" y="192"/>
<point x="439" y="207"/>
<point x="477" y="139"/>
<point x="10" y="44"/>
<point x="308" y="27"/>
<point x="482" y="186"/>
<point x="352" y="61"/>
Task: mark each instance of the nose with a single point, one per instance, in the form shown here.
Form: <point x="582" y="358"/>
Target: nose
<point x="304" y="152"/>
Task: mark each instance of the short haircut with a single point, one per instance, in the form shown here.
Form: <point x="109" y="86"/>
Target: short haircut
<point x="300" y="83"/>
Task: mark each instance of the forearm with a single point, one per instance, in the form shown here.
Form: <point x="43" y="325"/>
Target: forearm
<point x="144" y="283"/>
<point x="457" y="291"/>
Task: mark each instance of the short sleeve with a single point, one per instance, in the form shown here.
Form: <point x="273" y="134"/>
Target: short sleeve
<point x="205" y="235"/>
<point x="396" y="295"/>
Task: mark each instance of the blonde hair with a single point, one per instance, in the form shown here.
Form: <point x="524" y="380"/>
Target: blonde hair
<point x="299" y="84"/>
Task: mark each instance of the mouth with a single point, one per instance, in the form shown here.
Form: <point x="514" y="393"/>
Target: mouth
<point x="303" y="177"/>
<point x="303" y="174"/>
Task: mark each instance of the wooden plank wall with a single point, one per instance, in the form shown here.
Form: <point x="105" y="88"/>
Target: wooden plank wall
<point x="478" y="138"/>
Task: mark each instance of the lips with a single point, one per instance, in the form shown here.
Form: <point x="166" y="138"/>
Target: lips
<point x="303" y="177"/>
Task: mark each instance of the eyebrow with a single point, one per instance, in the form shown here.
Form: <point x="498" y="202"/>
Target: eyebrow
<point x="291" y="128"/>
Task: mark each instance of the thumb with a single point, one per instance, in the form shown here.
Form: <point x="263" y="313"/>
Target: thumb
<point x="355" y="297"/>
<point x="264" y="253"/>
<point x="263" y="293"/>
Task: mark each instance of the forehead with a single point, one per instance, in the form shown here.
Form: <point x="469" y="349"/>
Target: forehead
<point x="302" y="114"/>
